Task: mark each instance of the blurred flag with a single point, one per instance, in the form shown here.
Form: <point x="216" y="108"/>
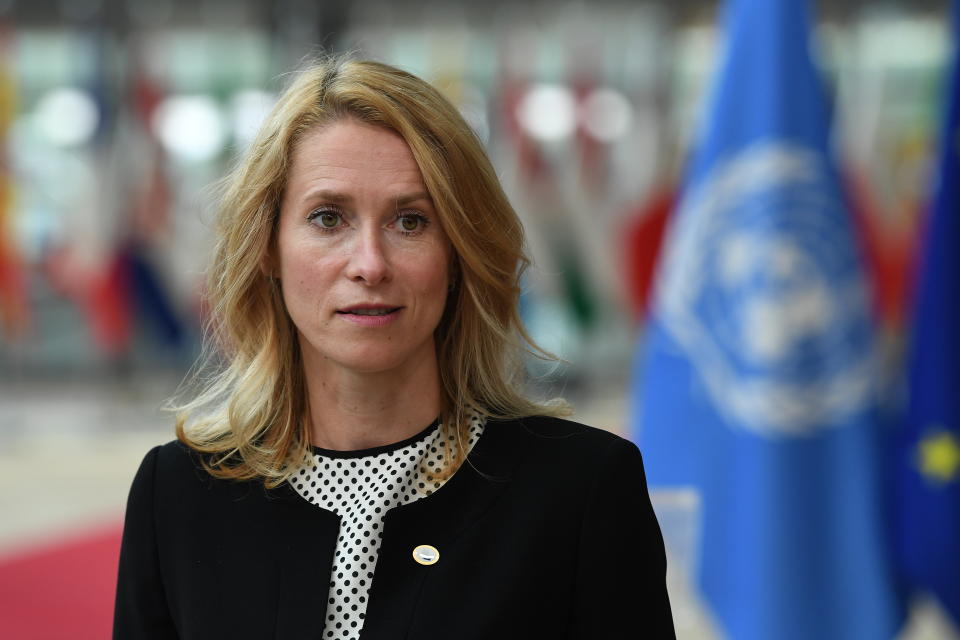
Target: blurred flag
<point x="928" y="465"/>
<point x="149" y="222"/>
<point x="889" y="252"/>
<point x="14" y="288"/>
<point x="755" y="386"/>
<point x="642" y="238"/>
<point x="107" y="296"/>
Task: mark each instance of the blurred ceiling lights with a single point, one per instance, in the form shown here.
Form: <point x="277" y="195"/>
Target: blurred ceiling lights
<point x="550" y="113"/>
<point x="547" y="112"/>
<point x="190" y="127"/>
<point x="606" y="114"/>
<point x="249" y="108"/>
<point x="66" y="117"/>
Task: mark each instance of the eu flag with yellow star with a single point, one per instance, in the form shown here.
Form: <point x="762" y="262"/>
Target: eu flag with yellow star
<point x="928" y="469"/>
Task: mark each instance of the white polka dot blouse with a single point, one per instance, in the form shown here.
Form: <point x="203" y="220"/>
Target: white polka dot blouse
<point x="361" y="487"/>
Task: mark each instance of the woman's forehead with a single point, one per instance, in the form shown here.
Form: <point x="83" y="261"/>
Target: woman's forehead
<point x="339" y="157"/>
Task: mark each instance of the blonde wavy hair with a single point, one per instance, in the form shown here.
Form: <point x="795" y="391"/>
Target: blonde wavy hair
<point x="252" y="413"/>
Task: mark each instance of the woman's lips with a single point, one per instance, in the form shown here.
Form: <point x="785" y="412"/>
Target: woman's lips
<point x="370" y="316"/>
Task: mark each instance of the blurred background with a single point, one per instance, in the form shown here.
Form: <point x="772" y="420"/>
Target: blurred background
<point x="117" y="117"/>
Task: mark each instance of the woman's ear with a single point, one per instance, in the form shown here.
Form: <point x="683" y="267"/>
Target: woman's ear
<point x="268" y="264"/>
<point x="266" y="267"/>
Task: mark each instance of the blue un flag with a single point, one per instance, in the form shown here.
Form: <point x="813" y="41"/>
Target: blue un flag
<point x="928" y="465"/>
<point x="755" y="384"/>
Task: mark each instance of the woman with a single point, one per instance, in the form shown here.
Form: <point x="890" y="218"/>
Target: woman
<point x="365" y="464"/>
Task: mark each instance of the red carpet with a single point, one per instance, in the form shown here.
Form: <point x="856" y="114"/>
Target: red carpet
<point x="61" y="591"/>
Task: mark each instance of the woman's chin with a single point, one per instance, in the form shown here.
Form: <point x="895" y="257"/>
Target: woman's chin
<point x="370" y="362"/>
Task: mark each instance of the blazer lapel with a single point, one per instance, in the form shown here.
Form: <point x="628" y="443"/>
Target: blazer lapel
<point x="304" y="543"/>
<point x="437" y="520"/>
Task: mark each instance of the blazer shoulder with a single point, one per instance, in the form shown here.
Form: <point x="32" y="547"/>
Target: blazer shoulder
<point x="564" y="439"/>
<point x="177" y="467"/>
<point x="548" y="427"/>
<point x="176" y="455"/>
<point x="180" y="470"/>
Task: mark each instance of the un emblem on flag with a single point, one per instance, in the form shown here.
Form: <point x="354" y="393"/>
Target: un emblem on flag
<point x="762" y="289"/>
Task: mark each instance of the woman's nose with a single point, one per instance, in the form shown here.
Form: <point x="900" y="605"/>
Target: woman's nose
<point x="368" y="263"/>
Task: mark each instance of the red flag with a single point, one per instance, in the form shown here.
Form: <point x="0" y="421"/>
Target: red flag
<point x="889" y="254"/>
<point x="643" y="238"/>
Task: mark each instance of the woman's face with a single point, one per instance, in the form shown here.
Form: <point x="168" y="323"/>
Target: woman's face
<point x="362" y="259"/>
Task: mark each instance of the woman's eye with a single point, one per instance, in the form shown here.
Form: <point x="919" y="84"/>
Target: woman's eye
<point x="412" y="222"/>
<point x="326" y="219"/>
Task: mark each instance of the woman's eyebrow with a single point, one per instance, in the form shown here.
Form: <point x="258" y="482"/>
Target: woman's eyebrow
<point x="338" y="197"/>
<point x="327" y="195"/>
<point x="414" y="197"/>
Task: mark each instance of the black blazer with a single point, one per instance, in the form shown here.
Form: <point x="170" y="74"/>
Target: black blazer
<point x="546" y="532"/>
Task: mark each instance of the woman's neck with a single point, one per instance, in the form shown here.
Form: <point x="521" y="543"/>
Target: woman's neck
<point x="352" y="410"/>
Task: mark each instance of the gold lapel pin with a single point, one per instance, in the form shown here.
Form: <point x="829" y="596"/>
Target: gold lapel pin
<point x="426" y="554"/>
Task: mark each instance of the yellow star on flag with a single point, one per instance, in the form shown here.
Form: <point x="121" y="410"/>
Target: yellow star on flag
<point x="939" y="456"/>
